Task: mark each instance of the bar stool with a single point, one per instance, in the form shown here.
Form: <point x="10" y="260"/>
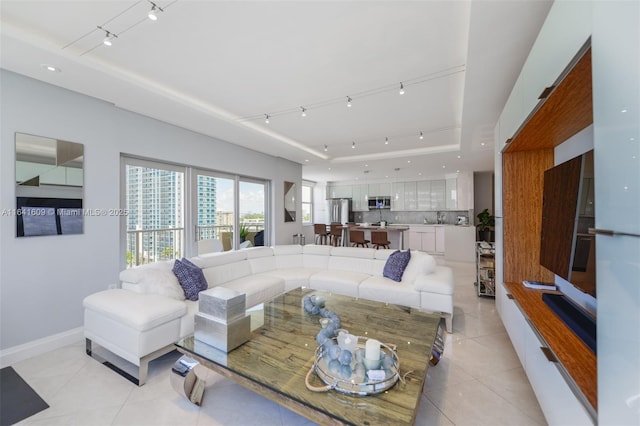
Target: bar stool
<point x="357" y="239"/>
<point x="336" y="234"/>
<point x="379" y="239"/>
<point x="321" y="234"/>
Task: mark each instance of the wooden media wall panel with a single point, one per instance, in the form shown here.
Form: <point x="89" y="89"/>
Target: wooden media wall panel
<point x="523" y="179"/>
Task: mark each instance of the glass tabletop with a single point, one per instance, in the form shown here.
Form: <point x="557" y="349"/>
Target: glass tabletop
<point x="282" y="346"/>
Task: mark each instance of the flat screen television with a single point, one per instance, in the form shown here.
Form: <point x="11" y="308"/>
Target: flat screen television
<point x="566" y="247"/>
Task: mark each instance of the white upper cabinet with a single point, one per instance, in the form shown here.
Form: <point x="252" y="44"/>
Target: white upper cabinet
<point x="339" y="191"/>
<point x="397" y="196"/>
<point x="380" y="189"/>
<point x="554" y="48"/>
<point x="438" y="188"/>
<point x="423" y="188"/>
<point x="410" y="196"/>
<point x="360" y="198"/>
<point x="451" y="193"/>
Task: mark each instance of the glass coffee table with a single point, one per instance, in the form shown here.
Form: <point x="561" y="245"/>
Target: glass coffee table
<point x="275" y="362"/>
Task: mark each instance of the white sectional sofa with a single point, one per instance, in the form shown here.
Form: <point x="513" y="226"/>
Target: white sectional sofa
<point x="141" y="320"/>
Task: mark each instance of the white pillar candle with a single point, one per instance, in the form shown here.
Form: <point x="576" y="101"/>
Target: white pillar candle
<point x="372" y="349"/>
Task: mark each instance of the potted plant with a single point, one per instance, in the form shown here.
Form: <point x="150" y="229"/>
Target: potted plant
<point x="486" y="222"/>
<point x="243" y="233"/>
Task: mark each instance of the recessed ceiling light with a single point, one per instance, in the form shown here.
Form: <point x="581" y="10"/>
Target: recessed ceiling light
<point x="50" y="68"/>
<point x="457" y="171"/>
<point x="443" y="166"/>
<point x="328" y="168"/>
<point x="306" y="160"/>
<point x="408" y="161"/>
<point x="623" y="110"/>
<point x="481" y="143"/>
<point x="419" y="173"/>
<point x="459" y="156"/>
<point x="366" y="165"/>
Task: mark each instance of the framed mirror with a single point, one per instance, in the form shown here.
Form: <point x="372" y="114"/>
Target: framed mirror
<point x="289" y="201"/>
<point x="49" y="186"/>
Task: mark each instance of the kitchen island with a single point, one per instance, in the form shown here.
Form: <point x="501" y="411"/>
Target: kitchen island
<point x="395" y="234"/>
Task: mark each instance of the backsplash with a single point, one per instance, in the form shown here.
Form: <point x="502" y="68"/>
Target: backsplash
<point x="448" y="217"/>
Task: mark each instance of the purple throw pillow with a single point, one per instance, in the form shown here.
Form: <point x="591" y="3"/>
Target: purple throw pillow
<point x="190" y="277"/>
<point x="396" y="264"/>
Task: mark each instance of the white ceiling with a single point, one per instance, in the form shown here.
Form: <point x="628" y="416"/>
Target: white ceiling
<point x="217" y="67"/>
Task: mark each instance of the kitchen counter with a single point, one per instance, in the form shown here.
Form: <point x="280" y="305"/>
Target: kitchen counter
<point x="395" y="234"/>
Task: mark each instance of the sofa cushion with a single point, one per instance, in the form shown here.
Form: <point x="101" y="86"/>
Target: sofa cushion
<point x="139" y="311"/>
<point x="336" y="281"/>
<point x="396" y="264"/>
<point x="294" y="277"/>
<point x="257" y="288"/>
<point x="190" y="277"/>
<point x="352" y="259"/>
<point x="316" y="256"/>
<point x="261" y="259"/>
<point x="383" y="289"/>
<point x="155" y="278"/>
<point x="216" y="259"/>
<point x="222" y="274"/>
<point x="420" y="263"/>
<point x="439" y="281"/>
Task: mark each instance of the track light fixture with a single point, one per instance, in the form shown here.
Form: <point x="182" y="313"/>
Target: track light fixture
<point x="401" y="89"/>
<point x="348" y="102"/>
<point x="353" y="145"/>
<point x="304" y="111"/>
<point x="421" y="135"/>
<point x="266" y="118"/>
<point x="152" y="13"/>
<point x="386" y="140"/>
<point x="326" y="148"/>
<point x="109" y="36"/>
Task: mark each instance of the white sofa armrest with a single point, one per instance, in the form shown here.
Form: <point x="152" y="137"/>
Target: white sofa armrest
<point x="440" y="281"/>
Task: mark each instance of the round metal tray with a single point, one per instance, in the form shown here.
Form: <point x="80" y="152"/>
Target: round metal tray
<point x="351" y="386"/>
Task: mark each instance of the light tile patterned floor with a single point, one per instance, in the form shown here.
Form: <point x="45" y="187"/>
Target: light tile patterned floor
<point x="479" y="381"/>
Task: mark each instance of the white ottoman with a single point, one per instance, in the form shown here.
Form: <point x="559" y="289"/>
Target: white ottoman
<point x="137" y="327"/>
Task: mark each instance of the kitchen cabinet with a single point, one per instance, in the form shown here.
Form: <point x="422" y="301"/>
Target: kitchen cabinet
<point x="427" y="238"/>
<point x="451" y="193"/>
<point x="438" y="188"/>
<point x="339" y="191"/>
<point x="410" y="196"/>
<point x="440" y="245"/>
<point x="360" y="198"/>
<point x="380" y="189"/>
<point x="397" y="196"/>
<point x="423" y="189"/>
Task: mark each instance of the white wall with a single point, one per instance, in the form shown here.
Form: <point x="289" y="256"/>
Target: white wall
<point x="44" y="279"/>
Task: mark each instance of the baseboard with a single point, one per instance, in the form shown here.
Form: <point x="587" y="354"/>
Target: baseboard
<point x="28" y="350"/>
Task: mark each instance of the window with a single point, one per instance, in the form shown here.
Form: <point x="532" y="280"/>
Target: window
<point x="307" y="203"/>
<point x="154" y="199"/>
<point x="220" y="204"/>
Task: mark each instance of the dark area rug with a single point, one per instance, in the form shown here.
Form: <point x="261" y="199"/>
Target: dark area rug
<point x="17" y="399"/>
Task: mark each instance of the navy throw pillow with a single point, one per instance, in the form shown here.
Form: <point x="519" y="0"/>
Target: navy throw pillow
<point x="190" y="277"/>
<point x="396" y="264"/>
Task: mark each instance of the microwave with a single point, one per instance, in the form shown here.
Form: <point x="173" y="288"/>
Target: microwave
<point x="380" y="202"/>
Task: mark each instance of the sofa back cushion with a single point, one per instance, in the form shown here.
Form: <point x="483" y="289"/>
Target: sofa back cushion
<point x="261" y="259"/>
<point x="421" y="263"/>
<point x="353" y="259"/>
<point x="288" y="256"/>
<point x="154" y="278"/>
<point x="316" y="256"/>
<point x="219" y="268"/>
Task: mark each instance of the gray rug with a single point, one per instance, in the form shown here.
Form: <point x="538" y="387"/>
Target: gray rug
<point x="18" y="400"/>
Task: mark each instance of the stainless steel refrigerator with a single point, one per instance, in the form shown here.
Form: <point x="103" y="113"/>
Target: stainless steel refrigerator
<point x="340" y="211"/>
